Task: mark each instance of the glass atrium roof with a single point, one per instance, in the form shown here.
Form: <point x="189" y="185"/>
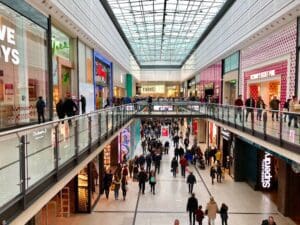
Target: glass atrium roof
<point x="163" y="32"/>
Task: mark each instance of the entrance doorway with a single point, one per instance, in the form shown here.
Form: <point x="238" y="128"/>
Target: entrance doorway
<point x="265" y="89"/>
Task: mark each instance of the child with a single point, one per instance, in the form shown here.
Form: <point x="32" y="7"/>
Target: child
<point x="199" y="215"/>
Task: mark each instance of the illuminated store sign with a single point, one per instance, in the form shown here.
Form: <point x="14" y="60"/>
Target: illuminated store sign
<point x="147" y="89"/>
<point x="266" y="171"/>
<point x="262" y="75"/>
<point x="7" y="35"/>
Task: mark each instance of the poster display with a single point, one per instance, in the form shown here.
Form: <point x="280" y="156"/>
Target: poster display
<point x="124" y="144"/>
<point x="165" y="131"/>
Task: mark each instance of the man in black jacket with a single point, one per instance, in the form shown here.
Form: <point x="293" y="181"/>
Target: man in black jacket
<point x="174" y="166"/>
<point x="142" y="177"/>
<point x="250" y="105"/>
<point x="192" y="206"/>
<point x="40" y="108"/>
<point x="191" y="180"/>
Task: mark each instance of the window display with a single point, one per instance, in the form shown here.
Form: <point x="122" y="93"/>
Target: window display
<point x="23" y="68"/>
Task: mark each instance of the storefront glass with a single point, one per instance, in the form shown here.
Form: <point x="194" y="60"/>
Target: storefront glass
<point x="85" y="67"/>
<point x="64" y="81"/>
<point x="102" y="80"/>
<point x="23" y="69"/>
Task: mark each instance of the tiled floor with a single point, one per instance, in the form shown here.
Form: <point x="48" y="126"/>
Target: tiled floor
<point x="246" y="206"/>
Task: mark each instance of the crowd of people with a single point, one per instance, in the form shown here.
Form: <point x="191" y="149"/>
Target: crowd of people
<point x="145" y="167"/>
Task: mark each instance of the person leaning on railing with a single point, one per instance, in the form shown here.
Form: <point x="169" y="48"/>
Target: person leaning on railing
<point x="239" y="104"/>
<point x="250" y="104"/>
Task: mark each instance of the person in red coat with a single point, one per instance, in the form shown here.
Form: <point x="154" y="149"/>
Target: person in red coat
<point x="183" y="164"/>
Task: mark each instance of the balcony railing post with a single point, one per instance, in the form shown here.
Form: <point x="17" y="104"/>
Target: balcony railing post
<point x="252" y="120"/>
<point x="56" y="149"/>
<point x="100" y="127"/>
<point x="280" y="127"/>
<point x="243" y="118"/>
<point x="23" y="180"/>
<point x="90" y="131"/>
<point x="112" y="121"/>
<point x="76" y="131"/>
<point x="106" y="118"/>
<point x="265" y="115"/>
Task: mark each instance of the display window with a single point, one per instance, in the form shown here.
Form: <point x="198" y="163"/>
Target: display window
<point x="267" y="82"/>
<point x="124" y="145"/>
<point x="23" y="68"/>
<point x="102" y="81"/>
<point x="213" y="132"/>
<point x="62" y="60"/>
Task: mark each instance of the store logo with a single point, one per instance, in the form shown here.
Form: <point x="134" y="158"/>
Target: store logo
<point x="266" y="74"/>
<point x="266" y="173"/>
<point x="39" y="134"/>
<point x="7" y="35"/>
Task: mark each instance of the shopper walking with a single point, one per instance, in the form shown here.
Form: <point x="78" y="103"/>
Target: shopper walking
<point x="186" y="143"/>
<point x="224" y="213"/>
<point x="142" y="177"/>
<point x="192" y="206"/>
<point x="130" y="167"/>
<point x="40" y="108"/>
<point x="183" y="164"/>
<point x="260" y="106"/>
<point x="199" y="215"/>
<point x="250" y="104"/>
<point x="212" y="174"/>
<point x="174" y="166"/>
<point x="191" y="180"/>
<point x="60" y="109"/>
<point x="152" y="182"/>
<point x="70" y="108"/>
<point x="148" y="162"/>
<point x="238" y="107"/>
<point x="211" y="209"/>
<point x="219" y="172"/>
<point x="124" y="187"/>
<point x="83" y="104"/>
<point x="292" y="107"/>
<point x="274" y="105"/>
<point x="107" y="181"/>
<point x="117" y="185"/>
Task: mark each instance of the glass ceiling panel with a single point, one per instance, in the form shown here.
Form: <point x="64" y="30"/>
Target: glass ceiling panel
<point x="164" y="36"/>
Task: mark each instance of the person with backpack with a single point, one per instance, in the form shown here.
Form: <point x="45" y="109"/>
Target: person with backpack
<point x="199" y="215"/>
<point x="224" y="213"/>
<point x="191" y="180"/>
<point x="192" y="206"/>
<point x="174" y="166"/>
<point x="152" y="182"/>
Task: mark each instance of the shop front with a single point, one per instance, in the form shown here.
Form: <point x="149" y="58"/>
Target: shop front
<point x="124" y="145"/>
<point x="230" y="78"/>
<point x="191" y="87"/>
<point x="85" y="68"/>
<point x="65" y="78"/>
<point x="213" y="135"/>
<point x="24" y="69"/>
<point x="267" y="82"/>
<point x="270" y="72"/>
<point x="103" y="83"/>
<point x="209" y="86"/>
<point x="227" y="145"/>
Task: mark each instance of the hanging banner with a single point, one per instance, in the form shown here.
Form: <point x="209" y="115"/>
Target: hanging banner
<point x="164" y="131"/>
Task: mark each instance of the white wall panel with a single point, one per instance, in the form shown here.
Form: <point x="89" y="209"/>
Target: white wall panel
<point x="243" y="19"/>
<point x="160" y="75"/>
<point x="94" y="23"/>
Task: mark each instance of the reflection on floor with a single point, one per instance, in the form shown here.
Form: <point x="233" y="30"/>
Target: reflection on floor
<point x="246" y="206"/>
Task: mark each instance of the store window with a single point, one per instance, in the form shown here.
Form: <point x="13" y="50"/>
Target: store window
<point x="23" y="68"/>
<point x="231" y="62"/>
<point x="63" y="76"/>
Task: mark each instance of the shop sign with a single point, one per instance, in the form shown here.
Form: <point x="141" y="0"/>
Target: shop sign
<point x="39" y="134"/>
<point x="266" y="171"/>
<point x="149" y="89"/>
<point x="262" y="75"/>
<point x="209" y="86"/>
<point x="7" y="36"/>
